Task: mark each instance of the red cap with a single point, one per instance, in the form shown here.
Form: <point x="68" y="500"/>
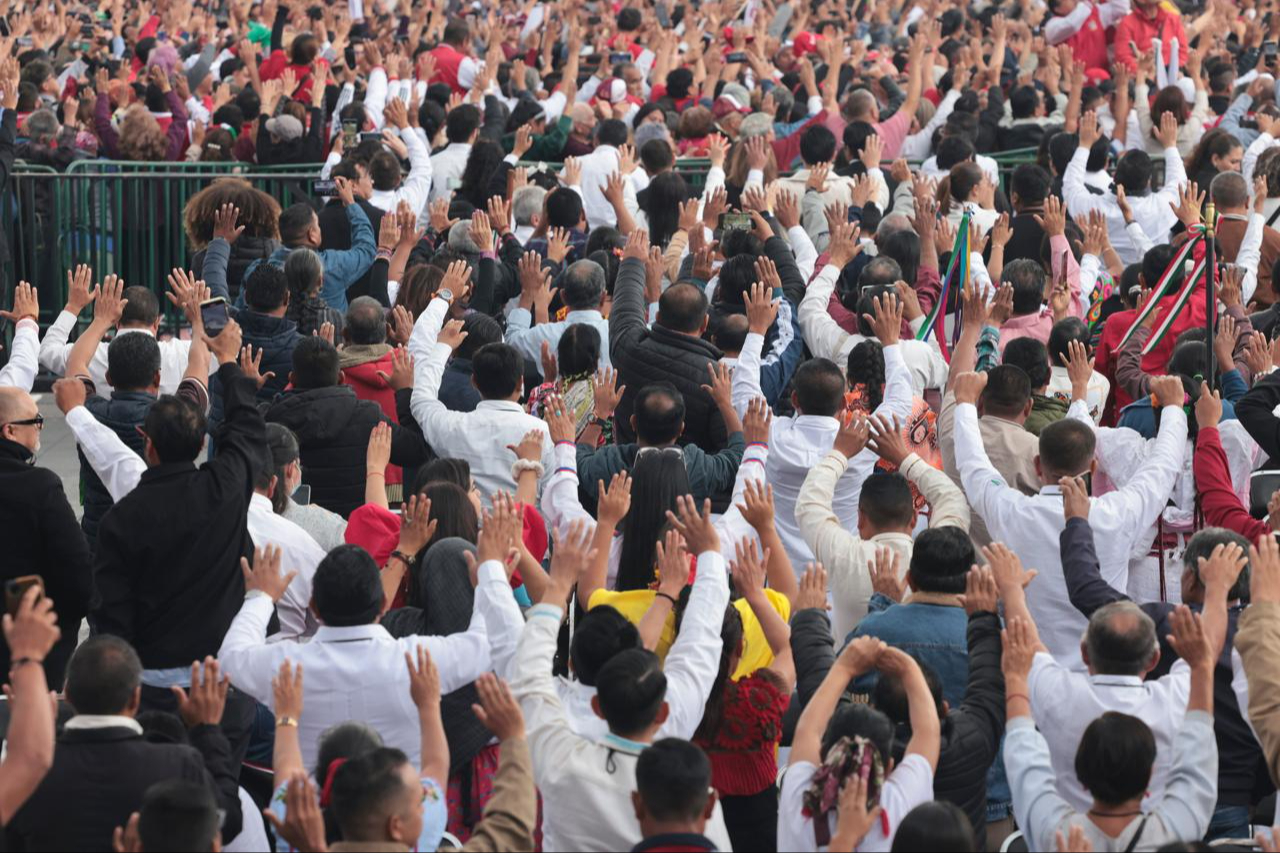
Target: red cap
<point x="804" y="43"/>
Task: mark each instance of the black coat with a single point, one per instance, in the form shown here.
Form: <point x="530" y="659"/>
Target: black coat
<point x="643" y="356"/>
<point x="335" y="233"/>
<point x="123" y="413"/>
<point x="42" y="537"/>
<point x="1025" y="237"/>
<point x="168" y="558"/>
<point x="333" y="427"/>
<point x="245" y="252"/>
<point x="276" y="337"/>
<point x="99" y="777"/>
<point x="971" y="733"/>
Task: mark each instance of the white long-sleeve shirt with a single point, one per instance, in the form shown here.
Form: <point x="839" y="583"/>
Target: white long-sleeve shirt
<point x="1031" y="525"/>
<point x="447" y="166"/>
<point x="596" y="169"/>
<point x="24" y="359"/>
<point x="586" y="785"/>
<point x="481" y="436"/>
<point x="416" y="188"/>
<point x="55" y="349"/>
<point x="1183" y="812"/>
<point x="846" y="555"/>
<point x="826" y="339"/>
<point x="918" y="145"/>
<point x="528" y="339"/>
<point x="1059" y="28"/>
<point x="797" y="444"/>
<point x="690" y="666"/>
<point x="353" y="673"/>
<point x="1151" y="211"/>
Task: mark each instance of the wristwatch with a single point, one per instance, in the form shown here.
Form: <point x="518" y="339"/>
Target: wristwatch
<point x="445" y="294"/>
<point x="598" y="421"/>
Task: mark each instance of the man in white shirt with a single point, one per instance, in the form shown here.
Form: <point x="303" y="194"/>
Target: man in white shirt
<point x="797" y="444"/>
<point x="20" y="371"/>
<point x="581" y="290"/>
<point x="354" y="669"/>
<point x="596" y="167"/>
<point x="498" y="420"/>
<point x="1119" y="648"/>
<point x="586" y="785"/>
<point x="1031" y="524"/>
<point x="462" y="126"/>
<point x="1154" y="212"/>
<point x="141" y="316"/>
<point x="825" y="338"/>
<point x="389" y="188"/>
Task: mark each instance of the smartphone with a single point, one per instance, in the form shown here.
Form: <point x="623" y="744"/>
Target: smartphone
<point x="1262" y="485"/>
<point x="1269" y="49"/>
<point x="619" y="57"/>
<point x="736" y="56"/>
<point x="350" y="132"/>
<point x="24" y="41"/>
<point x="4" y="26"/>
<point x="324" y="189"/>
<point x="370" y="134"/>
<point x="402" y="31"/>
<point x="302" y="496"/>
<point x="731" y="221"/>
<point x="15" y="590"/>
<point x="664" y="17"/>
<point x="215" y="315"/>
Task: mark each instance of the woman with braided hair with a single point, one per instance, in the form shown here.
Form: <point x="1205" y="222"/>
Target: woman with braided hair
<point x="834" y="747"/>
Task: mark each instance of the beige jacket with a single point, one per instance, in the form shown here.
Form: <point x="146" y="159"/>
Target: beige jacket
<point x="512" y="810"/>
<point x="1011" y="449"/>
<point x="848" y="557"/>
<point x="1257" y="640"/>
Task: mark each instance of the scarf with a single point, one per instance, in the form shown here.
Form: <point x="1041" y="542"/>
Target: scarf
<point x="846" y="757"/>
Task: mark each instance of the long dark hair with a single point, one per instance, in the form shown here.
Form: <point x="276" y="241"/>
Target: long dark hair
<point x="662" y="206"/>
<point x="657" y="479"/>
<point x="731" y="631"/>
<point x="484" y="160"/>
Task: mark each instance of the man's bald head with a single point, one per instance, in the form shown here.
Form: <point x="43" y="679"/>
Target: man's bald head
<point x="1120" y="640"/>
<point x="18" y="405"/>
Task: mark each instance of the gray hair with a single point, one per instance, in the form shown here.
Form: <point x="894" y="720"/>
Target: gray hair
<point x="42" y="126"/>
<point x="583" y="285"/>
<point x="892" y="224"/>
<point x="1120" y="639"/>
<point x="304" y="271"/>
<point x="460" y="238"/>
<point x="366" y="321"/>
<point x="526" y="203"/>
<point x="1229" y="190"/>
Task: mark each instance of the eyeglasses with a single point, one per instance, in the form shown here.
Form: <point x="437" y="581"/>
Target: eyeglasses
<point x="674" y="451"/>
<point x="37" y="422"/>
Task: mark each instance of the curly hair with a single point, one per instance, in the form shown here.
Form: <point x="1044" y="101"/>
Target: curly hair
<point x="259" y="212"/>
<point x="141" y="138"/>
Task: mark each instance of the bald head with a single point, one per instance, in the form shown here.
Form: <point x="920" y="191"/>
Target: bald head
<point x="683" y="308"/>
<point x="892" y="224"/>
<point x="18" y="405"/>
<point x="1120" y="640"/>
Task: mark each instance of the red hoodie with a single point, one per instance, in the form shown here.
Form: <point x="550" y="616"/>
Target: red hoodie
<point x="1217" y="495"/>
<point x="368" y="385"/>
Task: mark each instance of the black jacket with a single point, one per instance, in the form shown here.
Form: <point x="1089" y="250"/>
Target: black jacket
<point x="333" y="427"/>
<point x="971" y="733"/>
<point x="99" y="777"/>
<point x="456" y="390"/>
<point x="168" y="559"/>
<point x="41" y="537"/>
<point x="1025" y="237"/>
<point x="643" y="356"/>
<point x="124" y="412"/>
<point x="245" y="252"/>
<point x="1242" y="770"/>
<point x="306" y="149"/>
<point x="276" y="337"/>
<point x="1255" y="412"/>
<point x="335" y="233"/>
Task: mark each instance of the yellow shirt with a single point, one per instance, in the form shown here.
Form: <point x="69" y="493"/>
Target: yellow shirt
<point x="756" y="654"/>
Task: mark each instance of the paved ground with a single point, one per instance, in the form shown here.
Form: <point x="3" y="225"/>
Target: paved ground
<point x="58" y="449"/>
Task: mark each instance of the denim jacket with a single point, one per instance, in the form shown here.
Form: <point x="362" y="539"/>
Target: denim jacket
<point x="930" y="627"/>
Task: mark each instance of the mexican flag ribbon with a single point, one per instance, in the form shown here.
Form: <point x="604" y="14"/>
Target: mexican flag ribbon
<point x="957" y="275"/>
<point x="1163" y="287"/>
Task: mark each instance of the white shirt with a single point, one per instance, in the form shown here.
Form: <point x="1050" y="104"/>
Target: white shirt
<point x="416" y="188"/>
<point x="918" y="145"/>
<point x="1095" y="397"/>
<point x="1031" y="525"/>
<point x="1064" y="703"/>
<point x="846" y="555"/>
<point x="352" y="673"/>
<point x="55" y="350"/>
<point x="798" y="443"/>
<point x="447" y="167"/>
<point x="586" y="786"/>
<point x="481" y="436"/>
<point x="528" y="340"/>
<point x="1058" y="29"/>
<point x="909" y="785"/>
<point x="20" y="372"/>
<point x="298" y="553"/>
<point x="596" y="169"/>
<point x="929" y="168"/>
<point x="1152" y="211"/>
<point x="825" y="338"/>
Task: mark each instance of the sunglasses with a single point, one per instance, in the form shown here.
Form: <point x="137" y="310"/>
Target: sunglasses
<point x="37" y="422"/>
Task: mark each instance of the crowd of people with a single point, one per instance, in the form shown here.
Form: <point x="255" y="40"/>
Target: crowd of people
<point x="668" y="427"/>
